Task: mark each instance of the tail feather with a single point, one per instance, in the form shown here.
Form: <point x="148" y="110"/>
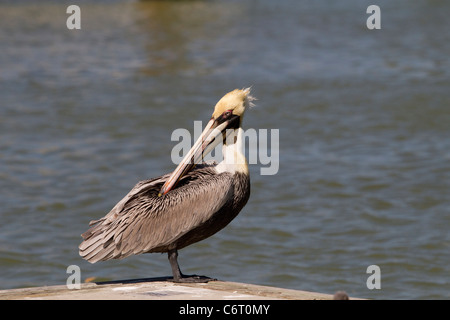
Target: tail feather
<point x="95" y="246"/>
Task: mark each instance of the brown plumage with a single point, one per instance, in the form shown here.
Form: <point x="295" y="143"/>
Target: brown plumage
<point x="195" y="201"/>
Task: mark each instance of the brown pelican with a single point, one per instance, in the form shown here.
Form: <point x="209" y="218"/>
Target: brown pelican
<point x="192" y="203"/>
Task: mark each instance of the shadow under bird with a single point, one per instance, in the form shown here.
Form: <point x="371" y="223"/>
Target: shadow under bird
<point x="192" y="203"/>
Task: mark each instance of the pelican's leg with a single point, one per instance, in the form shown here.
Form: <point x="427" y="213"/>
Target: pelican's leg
<point x="180" y="277"/>
<point x="173" y="259"/>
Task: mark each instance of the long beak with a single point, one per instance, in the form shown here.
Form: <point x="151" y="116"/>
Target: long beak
<point x="208" y="140"/>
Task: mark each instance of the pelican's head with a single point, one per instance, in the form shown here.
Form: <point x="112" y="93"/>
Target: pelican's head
<point x="227" y="116"/>
<point x="234" y="103"/>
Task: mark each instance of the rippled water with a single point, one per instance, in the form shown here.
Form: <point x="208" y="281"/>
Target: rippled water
<point x="364" y="167"/>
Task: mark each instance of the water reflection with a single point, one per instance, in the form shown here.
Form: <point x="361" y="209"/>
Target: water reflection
<point x="182" y="37"/>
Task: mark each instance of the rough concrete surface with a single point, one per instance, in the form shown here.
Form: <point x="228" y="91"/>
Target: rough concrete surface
<point x="142" y="289"/>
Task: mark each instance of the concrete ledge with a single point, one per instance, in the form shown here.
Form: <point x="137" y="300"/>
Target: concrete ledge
<point x="148" y="289"/>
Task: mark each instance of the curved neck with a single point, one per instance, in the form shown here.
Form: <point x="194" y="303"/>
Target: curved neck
<point x="233" y="155"/>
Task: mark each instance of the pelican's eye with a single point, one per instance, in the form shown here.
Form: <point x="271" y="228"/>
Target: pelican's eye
<point x="226" y="114"/>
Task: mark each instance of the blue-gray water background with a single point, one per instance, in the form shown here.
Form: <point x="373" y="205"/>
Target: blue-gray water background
<point x="364" y="120"/>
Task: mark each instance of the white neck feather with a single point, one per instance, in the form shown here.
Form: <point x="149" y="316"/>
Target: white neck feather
<point x="233" y="156"/>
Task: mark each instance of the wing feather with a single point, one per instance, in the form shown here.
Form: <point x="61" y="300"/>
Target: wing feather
<point x="142" y="221"/>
